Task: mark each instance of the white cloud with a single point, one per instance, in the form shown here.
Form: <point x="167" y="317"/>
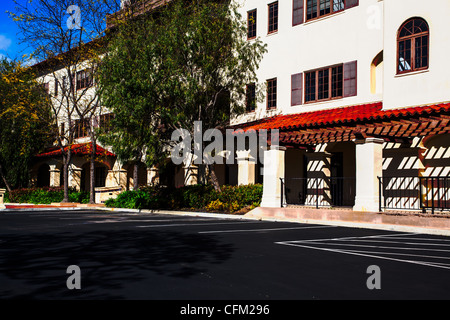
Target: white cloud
<point x="4" y="42"/>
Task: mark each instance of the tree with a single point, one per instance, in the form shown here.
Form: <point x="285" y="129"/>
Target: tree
<point x="67" y="37"/>
<point x="25" y="122"/>
<point x="193" y="64"/>
<point x="129" y="83"/>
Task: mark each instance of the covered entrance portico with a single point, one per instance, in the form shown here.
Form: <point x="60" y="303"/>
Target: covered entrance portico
<point x="336" y="157"/>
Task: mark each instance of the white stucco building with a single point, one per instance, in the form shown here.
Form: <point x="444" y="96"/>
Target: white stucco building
<point x="360" y="93"/>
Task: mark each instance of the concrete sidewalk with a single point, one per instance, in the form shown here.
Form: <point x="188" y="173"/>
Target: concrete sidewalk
<point x="438" y="224"/>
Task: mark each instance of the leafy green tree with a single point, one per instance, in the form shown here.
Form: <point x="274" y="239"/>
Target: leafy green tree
<point x="129" y="83"/>
<point x="26" y="125"/>
<point x="180" y="63"/>
<point x="66" y="36"/>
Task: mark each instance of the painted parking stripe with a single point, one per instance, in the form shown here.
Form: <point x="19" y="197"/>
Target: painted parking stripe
<point x="194" y="224"/>
<point x="366" y="255"/>
<point x="408" y="253"/>
<point x="265" y="229"/>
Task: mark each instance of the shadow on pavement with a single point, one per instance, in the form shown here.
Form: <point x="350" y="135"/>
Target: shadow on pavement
<point x="34" y="266"/>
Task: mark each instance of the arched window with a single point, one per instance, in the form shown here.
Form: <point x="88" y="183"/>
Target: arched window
<point x="413" y="46"/>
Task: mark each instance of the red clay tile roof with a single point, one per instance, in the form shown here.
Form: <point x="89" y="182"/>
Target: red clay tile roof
<point x="77" y="149"/>
<point x="340" y="116"/>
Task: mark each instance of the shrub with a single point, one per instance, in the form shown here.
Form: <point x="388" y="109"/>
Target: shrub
<point x="45" y="195"/>
<point x="197" y="197"/>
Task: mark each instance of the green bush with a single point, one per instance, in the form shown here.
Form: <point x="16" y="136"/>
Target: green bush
<point x="45" y="195"/>
<point x="197" y="197"/>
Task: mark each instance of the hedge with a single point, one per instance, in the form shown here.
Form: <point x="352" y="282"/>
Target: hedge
<point x="45" y="195"/>
<point x="198" y="197"/>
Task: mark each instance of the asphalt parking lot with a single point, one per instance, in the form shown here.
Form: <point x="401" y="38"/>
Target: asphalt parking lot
<point x="180" y="257"/>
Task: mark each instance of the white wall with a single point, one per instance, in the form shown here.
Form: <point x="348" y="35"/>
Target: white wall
<point x="420" y="88"/>
<point x="342" y="37"/>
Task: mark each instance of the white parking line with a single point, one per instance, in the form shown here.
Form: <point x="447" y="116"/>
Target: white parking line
<point x="194" y="224"/>
<point x="266" y="229"/>
<point x="343" y="246"/>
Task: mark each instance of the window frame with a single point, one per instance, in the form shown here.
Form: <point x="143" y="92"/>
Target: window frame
<point x="255" y="12"/>
<point x="413" y="38"/>
<point x="319" y="16"/>
<point x="250" y="106"/>
<point x="316" y="84"/>
<point x="86" y="81"/>
<point x="274" y="18"/>
<point x="271" y="97"/>
<point x="81" y="128"/>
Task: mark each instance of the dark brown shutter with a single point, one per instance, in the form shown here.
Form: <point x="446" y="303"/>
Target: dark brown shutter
<point x="297" y="13"/>
<point x="351" y="3"/>
<point x="296" y="89"/>
<point x="350" y="78"/>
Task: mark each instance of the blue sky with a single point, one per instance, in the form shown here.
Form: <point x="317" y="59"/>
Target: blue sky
<point x="9" y="39"/>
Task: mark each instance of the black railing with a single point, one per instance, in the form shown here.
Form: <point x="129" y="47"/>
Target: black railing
<point x="318" y="192"/>
<point x="415" y="193"/>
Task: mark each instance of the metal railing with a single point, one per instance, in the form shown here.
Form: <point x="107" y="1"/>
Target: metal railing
<point x="414" y="193"/>
<point x="318" y="192"/>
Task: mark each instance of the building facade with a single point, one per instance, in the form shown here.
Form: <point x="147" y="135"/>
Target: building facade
<point x="359" y="92"/>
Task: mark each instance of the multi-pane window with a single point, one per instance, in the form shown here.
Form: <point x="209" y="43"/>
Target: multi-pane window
<point x="84" y="79"/>
<point x="250" y="101"/>
<point x="251" y="24"/>
<point x="105" y="121"/>
<point x="318" y="8"/>
<point x="413" y="46"/>
<point x="272" y="93"/>
<point x="81" y="128"/>
<point x="273" y="17"/>
<point x="324" y="84"/>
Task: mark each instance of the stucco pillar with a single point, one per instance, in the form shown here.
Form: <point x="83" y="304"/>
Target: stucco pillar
<point x="246" y="168"/>
<point x="2" y="196"/>
<point x="75" y="178"/>
<point x="274" y="169"/>
<point x="190" y="171"/>
<point x="54" y="176"/>
<point x="152" y="176"/>
<point x="369" y="166"/>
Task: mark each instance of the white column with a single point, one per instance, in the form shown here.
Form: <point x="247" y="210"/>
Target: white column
<point x="369" y="166"/>
<point x="152" y="176"/>
<point x="54" y="176"/>
<point x="274" y="169"/>
<point x="190" y="172"/>
<point x="246" y="168"/>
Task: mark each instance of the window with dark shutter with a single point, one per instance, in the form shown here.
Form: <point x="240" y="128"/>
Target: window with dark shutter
<point x="296" y="89"/>
<point x="324" y="84"/>
<point x="297" y="12"/>
<point x="319" y="8"/>
<point x="251" y="24"/>
<point x="351" y="3"/>
<point x="350" y="79"/>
